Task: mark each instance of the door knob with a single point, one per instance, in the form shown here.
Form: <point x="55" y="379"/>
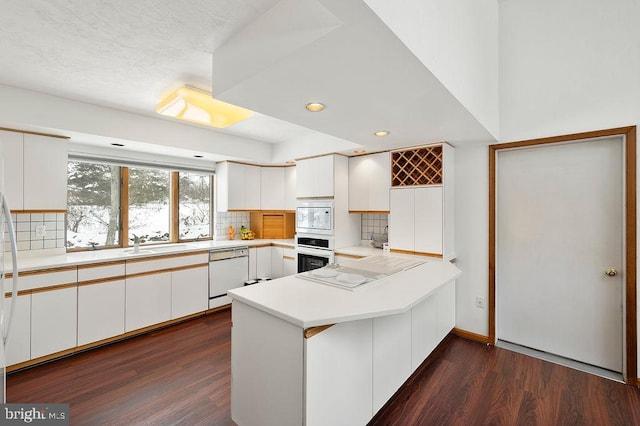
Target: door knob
<point x="611" y="272"/>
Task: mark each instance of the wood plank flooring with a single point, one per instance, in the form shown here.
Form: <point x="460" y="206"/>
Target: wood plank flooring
<point x="181" y="376"/>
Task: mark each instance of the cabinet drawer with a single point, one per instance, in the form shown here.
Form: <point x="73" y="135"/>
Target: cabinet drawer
<point x="100" y="271"/>
<point x="47" y="278"/>
<point x="137" y="266"/>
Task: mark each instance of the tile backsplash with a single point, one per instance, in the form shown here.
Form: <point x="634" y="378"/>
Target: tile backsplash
<point x="25" y="226"/>
<point x="373" y="223"/>
<point x="235" y="219"/>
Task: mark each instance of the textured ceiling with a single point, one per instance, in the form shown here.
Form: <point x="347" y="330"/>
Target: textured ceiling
<point x="128" y="54"/>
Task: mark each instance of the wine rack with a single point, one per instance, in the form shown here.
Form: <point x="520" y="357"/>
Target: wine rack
<point x="417" y="166"/>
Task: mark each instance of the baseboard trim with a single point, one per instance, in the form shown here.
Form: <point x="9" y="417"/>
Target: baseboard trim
<point x="471" y="336"/>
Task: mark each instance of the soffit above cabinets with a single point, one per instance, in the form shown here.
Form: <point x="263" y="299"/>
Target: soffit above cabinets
<point x="341" y="54"/>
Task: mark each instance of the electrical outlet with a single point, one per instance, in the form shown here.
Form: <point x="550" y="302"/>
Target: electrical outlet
<point x="480" y="302"/>
<point x="41" y="231"/>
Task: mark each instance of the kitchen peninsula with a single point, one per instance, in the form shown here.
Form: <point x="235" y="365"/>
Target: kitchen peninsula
<point x="308" y="353"/>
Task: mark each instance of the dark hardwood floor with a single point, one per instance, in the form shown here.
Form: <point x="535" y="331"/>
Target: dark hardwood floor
<point x="181" y="375"/>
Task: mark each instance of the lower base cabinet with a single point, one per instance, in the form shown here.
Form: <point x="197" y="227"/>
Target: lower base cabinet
<point x="189" y="291"/>
<point x="100" y="311"/>
<point x="148" y="300"/>
<point x="54" y="316"/>
<point x="349" y="370"/>
<point x="19" y="342"/>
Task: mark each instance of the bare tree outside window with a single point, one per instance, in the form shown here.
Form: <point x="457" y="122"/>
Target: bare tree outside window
<point x="149" y="207"/>
<point x="194" y="206"/>
<point x="93" y="205"/>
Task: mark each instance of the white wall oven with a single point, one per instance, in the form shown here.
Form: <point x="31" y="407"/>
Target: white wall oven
<point x="313" y="251"/>
<point x="314" y="217"/>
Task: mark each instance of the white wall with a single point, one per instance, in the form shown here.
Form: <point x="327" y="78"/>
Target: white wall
<point x="458" y="42"/>
<point x="565" y="67"/>
<point x="27" y="110"/>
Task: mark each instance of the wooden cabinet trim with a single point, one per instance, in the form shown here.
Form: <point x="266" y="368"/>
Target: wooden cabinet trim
<point x="101" y="280"/>
<point x="370" y="211"/>
<point x="43" y="271"/>
<point x="194" y="266"/>
<point x="417" y="253"/>
<point x="52" y="288"/>
<point x="312" y="331"/>
<point x="143" y="274"/>
<point x="151" y="258"/>
<point x="99" y="265"/>
<point x="34" y="133"/>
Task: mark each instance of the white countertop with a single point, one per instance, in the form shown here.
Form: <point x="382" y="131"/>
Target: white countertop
<point x="309" y="304"/>
<point x="29" y="261"/>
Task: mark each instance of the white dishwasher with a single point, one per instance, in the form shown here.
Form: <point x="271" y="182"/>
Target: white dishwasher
<point x="228" y="268"/>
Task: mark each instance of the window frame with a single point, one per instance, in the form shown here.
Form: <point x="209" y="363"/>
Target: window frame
<point x="174" y="212"/>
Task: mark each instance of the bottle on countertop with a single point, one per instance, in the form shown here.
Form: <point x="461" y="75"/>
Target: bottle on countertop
<point x="231" y="233"/>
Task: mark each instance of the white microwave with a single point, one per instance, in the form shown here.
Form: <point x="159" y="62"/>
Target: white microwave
<point x="314" y="217"/>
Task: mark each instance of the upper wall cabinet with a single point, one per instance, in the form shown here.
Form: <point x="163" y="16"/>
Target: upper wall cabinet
<point x="369" y="177"/>
<point x="314" y="177"/>
<point x="273" y="188"/>
<point x="238" y="186"/>
<point x="290" y="188"/>
<point x="35" y="171"/>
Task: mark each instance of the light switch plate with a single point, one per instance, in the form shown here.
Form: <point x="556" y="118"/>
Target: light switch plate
<point x="41" y="231"/>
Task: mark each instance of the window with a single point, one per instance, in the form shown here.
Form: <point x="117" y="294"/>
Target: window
<point x="156" y="206"/>
<point x="149" y="194"/>
<point x="195" y="206"/>
<point x="93" y="205"/>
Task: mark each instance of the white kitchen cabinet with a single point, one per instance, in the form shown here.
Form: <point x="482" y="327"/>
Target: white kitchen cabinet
<point x="12" y="144"/>
<point x="263" y="262"/>
<point x="402" y="219"/>
<point x="148" y="300"/>
<point x="446" y="310"/>
<point x="101" y="301"/>
<point x="369" y="181"/>
<point x="45" y="173"/>
<point x="272" y="188"/>
<point x="253" y="263"/>
<point x="189" y="291"/>
<point x="391" y="356"/>
<point x="237" y="186"/>
<point x="276" y="262"/>
<point x="416" y="220"/>
<point x="252" y="187"/>
<point x="100" y="311"/>
<point x="315" y="177"/>
<point x="35" y="171"/>
<point x="428" y="222"/>
<point x="53" y="321"/>
<point x="424" y="337"/>
<point x="19" y="342"/>
<point x="289" y="264"/>
<point x="338" y="385"/>
<point x="290" y="188"/>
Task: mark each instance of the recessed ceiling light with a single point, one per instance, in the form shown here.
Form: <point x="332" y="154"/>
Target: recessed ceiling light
<point x="315" y="106"/>
<point x="198" y="156"/>
<point x="381" y="133"/>
<point x="290" y="162"/>
<point x="359" y="151"/>
<point x="117" y="144"/>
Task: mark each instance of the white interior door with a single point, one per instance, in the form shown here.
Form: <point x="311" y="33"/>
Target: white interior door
<point x="559" y="225"/>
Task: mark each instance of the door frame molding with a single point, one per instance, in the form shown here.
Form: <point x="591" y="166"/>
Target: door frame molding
<point x="629" y="134"/>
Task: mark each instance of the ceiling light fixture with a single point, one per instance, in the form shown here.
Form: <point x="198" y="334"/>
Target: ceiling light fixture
<point x="381" y="133"/>
<point x="315" y="106"/>
<point x="359" y="151"/>
<point x="197" y="106"/>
